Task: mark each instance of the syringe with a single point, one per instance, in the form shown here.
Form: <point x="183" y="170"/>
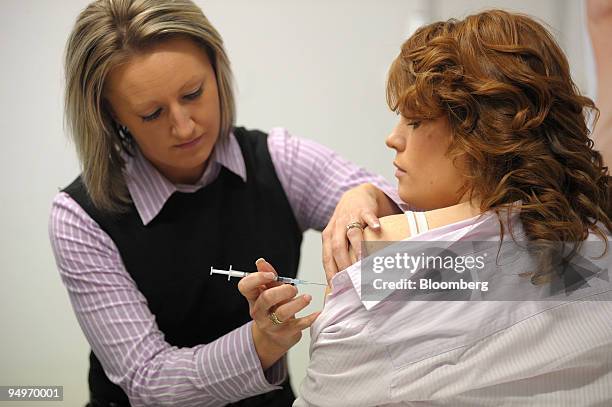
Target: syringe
<point x="241" y="274"/>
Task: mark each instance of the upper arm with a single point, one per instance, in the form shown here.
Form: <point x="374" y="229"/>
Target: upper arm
<point x="105" y="299"/>
<point x="314" y="177"/>
<point x="392" y="229"/>
<point x="112" y="312"/>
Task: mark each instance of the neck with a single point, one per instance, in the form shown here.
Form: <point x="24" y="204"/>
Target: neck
<point x="451" y="214"/>
<point x="184" y="176"/>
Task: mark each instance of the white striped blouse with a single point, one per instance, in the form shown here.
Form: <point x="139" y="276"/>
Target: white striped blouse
<point x="477" y="353"/>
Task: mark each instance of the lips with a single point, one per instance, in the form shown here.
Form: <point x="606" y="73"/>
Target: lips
<point x="189" y="143"/>
<point x="399" y="170"/>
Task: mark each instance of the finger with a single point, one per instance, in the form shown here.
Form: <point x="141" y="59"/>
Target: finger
<point x="329" y="265"/>
<point x="288" y="310"/>
<point x="340" y="246"/>
<point x="278" y="304"/>
<point x="305" y="322"/>
<point x="249" y="286"/>
<point x="355" y="257"/>
<point x="263" y="266"/>
<point x="355" y="237"/>
<point x="273" y="297"/>
<point x="274" y="308"/>
<point x="371" y="219"/>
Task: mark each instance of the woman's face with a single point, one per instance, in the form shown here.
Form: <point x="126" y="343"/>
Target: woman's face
<point x="428" y="178"/>
<point x="167" y="98"/>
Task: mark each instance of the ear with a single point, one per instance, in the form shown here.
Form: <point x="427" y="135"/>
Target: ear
<point x="109" y="109"/>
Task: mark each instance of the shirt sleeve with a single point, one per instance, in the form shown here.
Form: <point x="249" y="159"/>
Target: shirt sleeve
<point x="346" y="368"/>
<point x="123" y="334"/>
<point x="314" y="177"/>
<point x="433" y="353"/>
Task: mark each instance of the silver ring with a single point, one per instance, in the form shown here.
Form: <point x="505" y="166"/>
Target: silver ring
<point x="352" y="225"/>
<point x="274" y="318"/>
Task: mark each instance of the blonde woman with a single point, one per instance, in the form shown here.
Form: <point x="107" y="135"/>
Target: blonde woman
<point x="169" y="188"/>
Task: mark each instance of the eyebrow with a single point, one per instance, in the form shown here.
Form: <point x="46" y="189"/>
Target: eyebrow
<point x="140" y="106"/>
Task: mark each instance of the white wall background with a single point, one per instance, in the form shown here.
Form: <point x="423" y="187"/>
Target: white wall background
<point x="315" y="67"/>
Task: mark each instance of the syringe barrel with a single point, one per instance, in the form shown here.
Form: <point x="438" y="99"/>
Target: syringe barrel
<point x="286" y="280"/>
<point x="239" y="274"/>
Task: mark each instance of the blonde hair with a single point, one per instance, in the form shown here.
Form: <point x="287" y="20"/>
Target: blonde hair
<point x="106" y="34"/>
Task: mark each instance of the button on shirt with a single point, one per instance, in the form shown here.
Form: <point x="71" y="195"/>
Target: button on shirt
<point x="114" y="315"/>
<point x="461" y="353"/>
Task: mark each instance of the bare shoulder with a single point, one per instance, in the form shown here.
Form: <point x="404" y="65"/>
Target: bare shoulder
<point x="392" y="228"/>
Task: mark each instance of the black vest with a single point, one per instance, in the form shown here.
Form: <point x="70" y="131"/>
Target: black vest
<point x="229" y="222"/>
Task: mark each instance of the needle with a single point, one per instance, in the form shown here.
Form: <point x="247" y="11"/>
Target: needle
<point x="241" y="274"/>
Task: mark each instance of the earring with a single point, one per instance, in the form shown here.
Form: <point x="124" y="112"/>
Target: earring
<point x="124" y="133"/>
<point x="127" y="141"/>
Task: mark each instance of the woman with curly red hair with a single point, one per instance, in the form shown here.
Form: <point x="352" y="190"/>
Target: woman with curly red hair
<point x="516" y="124"/>
<point x="492" y="144"/>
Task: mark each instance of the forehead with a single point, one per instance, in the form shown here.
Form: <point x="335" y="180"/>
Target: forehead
<point x="161" y="70"/>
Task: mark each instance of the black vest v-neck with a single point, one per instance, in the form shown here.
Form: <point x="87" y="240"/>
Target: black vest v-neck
<point x="229" y="222"/>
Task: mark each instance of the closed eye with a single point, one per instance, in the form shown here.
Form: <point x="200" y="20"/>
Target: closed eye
<point x="194" y="95"/>
<point x="190" y="96"/>
<point x="152" y="116"/>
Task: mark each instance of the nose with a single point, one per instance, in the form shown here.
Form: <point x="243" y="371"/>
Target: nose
<point x="395" y="140"/>
<point x="183" y="125"/>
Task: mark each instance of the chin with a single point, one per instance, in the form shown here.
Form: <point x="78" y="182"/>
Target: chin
<point x="203" y="154"/>
<point x="415" y="201"/>
<point x="404" y="195"/>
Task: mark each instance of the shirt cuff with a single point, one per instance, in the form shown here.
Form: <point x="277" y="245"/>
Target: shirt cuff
<point x="230" y="369"/>
<point x="277" y="373"/>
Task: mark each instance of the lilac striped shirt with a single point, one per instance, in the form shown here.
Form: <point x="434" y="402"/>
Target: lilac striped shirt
<point x="113" y="313"/>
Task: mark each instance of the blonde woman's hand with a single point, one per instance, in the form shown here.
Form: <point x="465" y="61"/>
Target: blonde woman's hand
<point x="266" y="296"/>
<point x="342" y="246"/>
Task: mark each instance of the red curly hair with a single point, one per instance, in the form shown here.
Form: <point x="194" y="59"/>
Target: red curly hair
<point x="517" y="119"/>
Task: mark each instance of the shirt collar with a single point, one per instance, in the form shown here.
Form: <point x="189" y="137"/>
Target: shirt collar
<point x="150" y="190"/>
